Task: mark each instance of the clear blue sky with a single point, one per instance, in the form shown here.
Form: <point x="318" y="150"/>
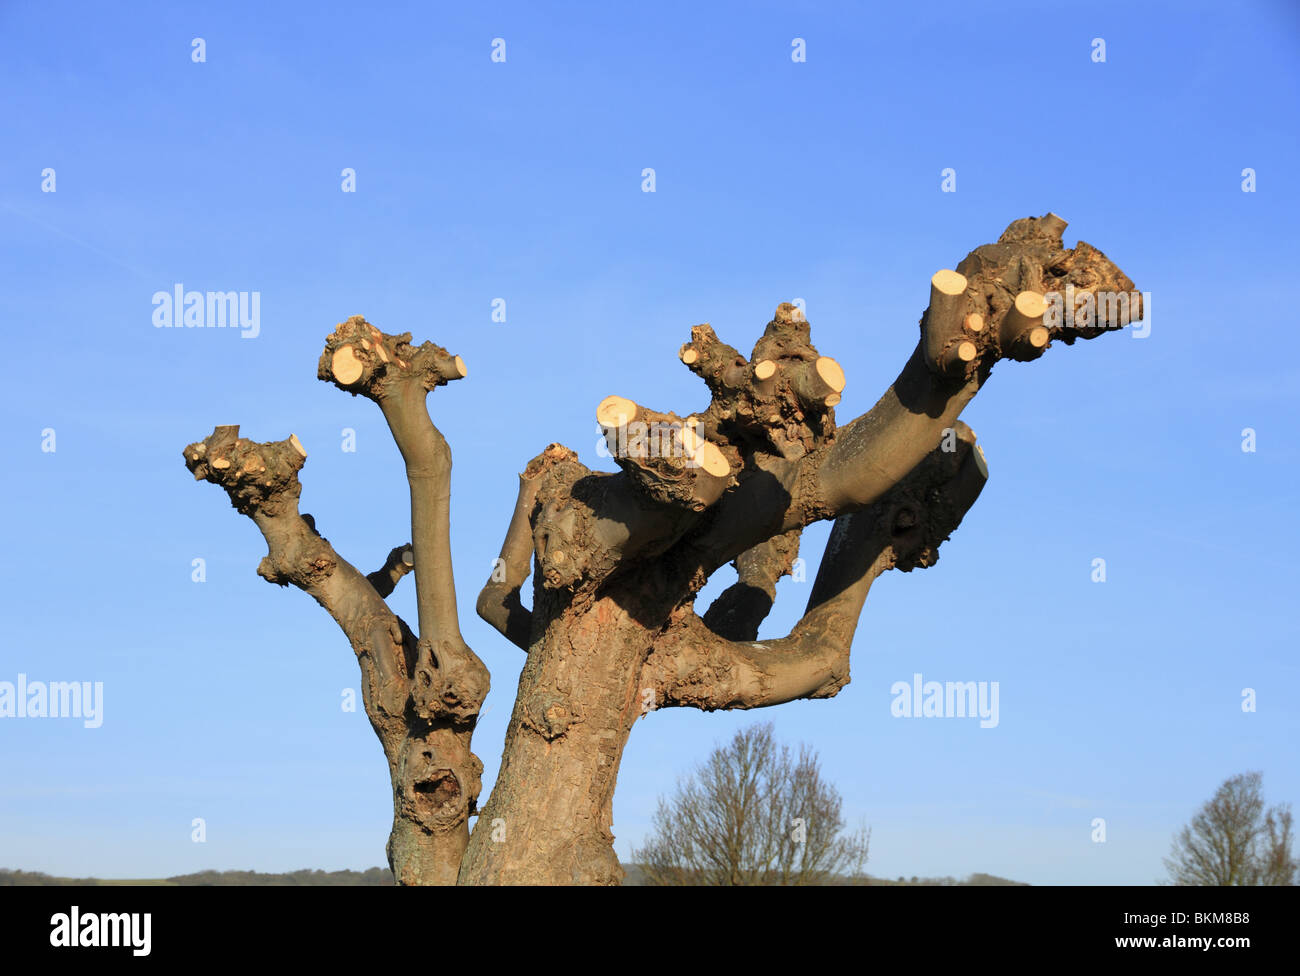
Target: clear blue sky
<point x="522" y="180"/>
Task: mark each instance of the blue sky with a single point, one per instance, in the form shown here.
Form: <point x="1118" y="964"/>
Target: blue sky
<point x="522" y="180"/>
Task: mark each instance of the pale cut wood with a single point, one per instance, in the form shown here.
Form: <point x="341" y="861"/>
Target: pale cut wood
<point x="1024" y="314"/>
<point x="345" y="365"/>
<point x="615" y="411"/>
<point x="945" y="284"/>
<point x="945" y="317"/>
<point x="832" y="373"/>
<point x="711" y="460"/>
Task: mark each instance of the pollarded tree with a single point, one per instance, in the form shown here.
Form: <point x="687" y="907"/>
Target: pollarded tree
<point x="617" y="559"/>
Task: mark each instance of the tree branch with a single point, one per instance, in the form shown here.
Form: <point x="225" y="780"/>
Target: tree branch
<point x="450" y="679"/>
<point x="668" y="458"/>
<point x="437" y="777"/>
<point x="399" y="562"/>
<point x="498" y="601"/>
<point x="692" y="666"/>
<point x="262" y="482"/>
<point x="741" y="607"/>
<point x="993" y="307"/>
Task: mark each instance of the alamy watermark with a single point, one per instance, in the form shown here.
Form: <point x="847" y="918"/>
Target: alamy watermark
<point x="1082" y="309"/>
<point x="946" y="699"/>
<point x="75" y="929"/>
<point x="53" y="699"/>
<point x="657" y="439"/>
<point x="179" y="308"/>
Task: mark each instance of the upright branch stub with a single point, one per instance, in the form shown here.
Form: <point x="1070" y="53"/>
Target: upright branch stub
<point x="781" y="398"/>
<point x="258" y="477"/>
<point x="400" y="561"/>
<point x="450" y="681"/>
<point x="498" y="602"/>
<point x="741" y="607"/>
<point x="362" y="360"/>
<point x="1002" y="300"/>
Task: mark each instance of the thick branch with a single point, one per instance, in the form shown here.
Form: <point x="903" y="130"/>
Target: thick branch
<point x="692" y="666"/>
<point x="992" y="307"/>
<point x="587" y="524"/>
<point x="871" y="454"/>
<point x="450" y="679"/>
<point x="437" y="778"/>
<point x="668" y="457"/>
<point x="498" y="602"/>
<point x="763" y="418"/>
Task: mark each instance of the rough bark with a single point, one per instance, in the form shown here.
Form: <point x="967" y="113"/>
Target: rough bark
<point x="422" y="694"/>
<point x="617" y="559"/>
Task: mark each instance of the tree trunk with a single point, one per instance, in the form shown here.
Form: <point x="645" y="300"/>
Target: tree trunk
<point x="550" y="815"/>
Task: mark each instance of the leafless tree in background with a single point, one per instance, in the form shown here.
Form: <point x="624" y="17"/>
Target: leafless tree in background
<point x="753" y="814"/>
<point x="1234" y="840"/>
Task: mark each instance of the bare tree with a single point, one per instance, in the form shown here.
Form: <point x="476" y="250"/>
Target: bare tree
<point x="753" y="814"/>
<point x="617" y="559"/>
<point x="1234" y="840"/>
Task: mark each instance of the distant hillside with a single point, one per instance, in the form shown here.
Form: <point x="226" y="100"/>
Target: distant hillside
<point x="373" y="876"/>
<point x="382" y="876"/>
<point x="636" y="876"/>
<point x="975" y="880"/>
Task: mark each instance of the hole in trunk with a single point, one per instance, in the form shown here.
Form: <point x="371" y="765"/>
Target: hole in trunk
<point x="440" y="789"/>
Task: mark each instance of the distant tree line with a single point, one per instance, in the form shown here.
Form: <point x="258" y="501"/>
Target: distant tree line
<point x="371" y="876"/>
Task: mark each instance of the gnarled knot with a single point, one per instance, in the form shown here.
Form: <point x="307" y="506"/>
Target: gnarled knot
<point x="260" y="478"/>
<point x="549" y="714"/>
<point x="556" y="542"/>
<point x="444" y="686"/>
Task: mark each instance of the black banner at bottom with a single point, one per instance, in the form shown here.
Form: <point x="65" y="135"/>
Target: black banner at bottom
<point x="145" y="925"/>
